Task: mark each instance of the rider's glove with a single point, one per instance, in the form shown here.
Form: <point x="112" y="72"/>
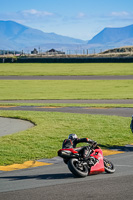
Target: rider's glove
<point x="94" y="143"/>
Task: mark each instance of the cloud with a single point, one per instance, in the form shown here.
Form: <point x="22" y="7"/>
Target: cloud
<point x="81" y="15"/>
<point x="36" y="13"/>
<point x="115" y="19"/>
<point x="31" y="15"/>
<point x="120" y="14"/>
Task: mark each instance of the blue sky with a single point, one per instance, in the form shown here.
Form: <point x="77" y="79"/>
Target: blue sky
<point x="81" y="19"/>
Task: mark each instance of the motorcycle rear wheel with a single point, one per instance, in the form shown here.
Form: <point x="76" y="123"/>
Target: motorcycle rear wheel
<point x="108" y="166"/>
<point x="77" y="168"/>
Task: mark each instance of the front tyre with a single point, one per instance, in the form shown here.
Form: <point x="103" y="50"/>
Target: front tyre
<point x="108" y="166"/>
<point x="77" y="167"/>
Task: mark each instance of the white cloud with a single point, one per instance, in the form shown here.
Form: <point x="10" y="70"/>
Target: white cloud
<point x="81" y="15"/>
<point x="32" y="18"/>
<point x="31" y="15"/>
<point x="115" y="19"/>
<point x="37" y="13"/>
<point x="126" y="16"/>
<point x="120" y="14"/>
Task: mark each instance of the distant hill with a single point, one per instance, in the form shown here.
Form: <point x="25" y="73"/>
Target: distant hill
<point x="114" y="37"/>
<point x="16" y="36"/>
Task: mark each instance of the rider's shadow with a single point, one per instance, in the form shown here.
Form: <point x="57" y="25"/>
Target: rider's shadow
<point x="40" y="177"/>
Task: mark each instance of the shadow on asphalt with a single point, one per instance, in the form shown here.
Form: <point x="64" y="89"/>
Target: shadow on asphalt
<point x="40" y="177"/>
<point x="126" y="148"/>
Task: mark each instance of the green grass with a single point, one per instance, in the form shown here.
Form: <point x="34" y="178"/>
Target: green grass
<point x="66" y="69"/>
<point x="68" y="89"/>
<point x="44" y="139"/>
<point x="69" y="105"/>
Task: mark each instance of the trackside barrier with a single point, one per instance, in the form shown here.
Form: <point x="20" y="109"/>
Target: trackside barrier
<point x="68" y="60"/>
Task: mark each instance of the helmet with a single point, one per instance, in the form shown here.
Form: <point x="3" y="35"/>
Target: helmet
<point x="72" y="136"/>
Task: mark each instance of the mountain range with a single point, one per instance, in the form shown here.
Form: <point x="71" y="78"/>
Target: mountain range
<point x="114" y="37"/>
<point x="15" y="36"/>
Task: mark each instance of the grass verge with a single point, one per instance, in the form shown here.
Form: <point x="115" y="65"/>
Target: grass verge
<point x="43" y="69"/>
<point x="44" y="139"/>
<point x="68" y="89"/>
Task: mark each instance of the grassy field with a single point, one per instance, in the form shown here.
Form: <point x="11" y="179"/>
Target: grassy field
<point x="44" y="139"/>
<point x="52" y="128"/>
<point x="66" y="69"/>
<point x="69" y="89"/>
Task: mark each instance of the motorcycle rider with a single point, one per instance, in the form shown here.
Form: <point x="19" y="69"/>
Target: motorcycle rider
<point x="73" y="140"/>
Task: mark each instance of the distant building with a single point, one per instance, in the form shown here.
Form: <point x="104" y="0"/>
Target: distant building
<point x="34" y="51"/>
<point x="53" y="52"/>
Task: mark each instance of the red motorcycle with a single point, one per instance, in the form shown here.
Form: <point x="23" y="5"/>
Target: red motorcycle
<point x="80" y="167"/>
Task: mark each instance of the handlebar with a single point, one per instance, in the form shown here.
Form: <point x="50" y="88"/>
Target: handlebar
<point x="94" y="145"/>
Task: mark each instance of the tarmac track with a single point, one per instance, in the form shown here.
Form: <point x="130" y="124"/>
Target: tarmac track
<point x="125" y="112"/>
<point x="56" y="182"/>
<point x="113" y="77"/>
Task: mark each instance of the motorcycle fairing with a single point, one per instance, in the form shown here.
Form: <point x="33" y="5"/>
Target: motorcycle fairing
<point x="99" y="166"/>
<point x="67" y="153"/>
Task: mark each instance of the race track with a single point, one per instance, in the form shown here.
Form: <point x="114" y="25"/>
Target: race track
<point x="56" y="181"/>
<point x="125" y="112"/>
<point x="113" y="77"/>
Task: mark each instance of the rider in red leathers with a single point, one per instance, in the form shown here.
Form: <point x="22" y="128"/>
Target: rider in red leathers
<point x="73" y="140"/>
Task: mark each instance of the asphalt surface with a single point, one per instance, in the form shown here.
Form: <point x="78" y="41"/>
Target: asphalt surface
<point x="74" y="101"/>
<point x="10" y="126"/>
<point x="56" y="181"/>
<point x="125" y="112"/>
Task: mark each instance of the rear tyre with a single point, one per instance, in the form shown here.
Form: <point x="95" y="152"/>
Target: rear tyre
<point x="77" y="168"/>
<point x="108" y="166"/>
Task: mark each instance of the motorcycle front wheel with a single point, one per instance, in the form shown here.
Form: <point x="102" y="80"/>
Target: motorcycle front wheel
<point x="78" y="168"/>
<point x="108" y="166"/>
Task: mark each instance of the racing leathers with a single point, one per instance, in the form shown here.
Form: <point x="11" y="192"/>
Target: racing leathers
<point x="69" y="143"/>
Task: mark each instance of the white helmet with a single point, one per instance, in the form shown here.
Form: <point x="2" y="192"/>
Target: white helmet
<point x="72" y="136"/>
